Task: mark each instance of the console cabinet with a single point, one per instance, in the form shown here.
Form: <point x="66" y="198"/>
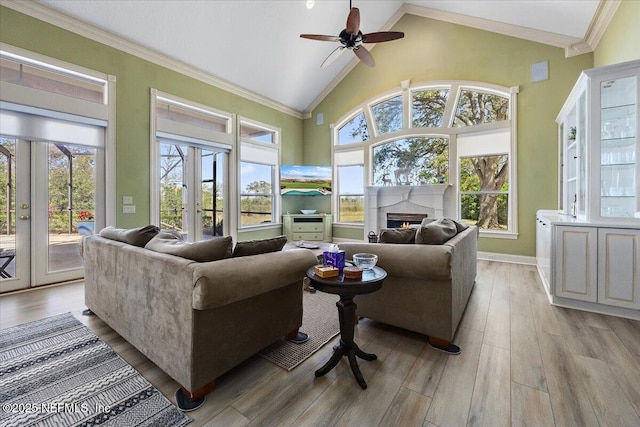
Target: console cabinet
<point x="589" y="266"/>
<point x="313" y="228"/>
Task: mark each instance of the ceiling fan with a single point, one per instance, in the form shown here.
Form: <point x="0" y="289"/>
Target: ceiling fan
<point x="352" y="38"/>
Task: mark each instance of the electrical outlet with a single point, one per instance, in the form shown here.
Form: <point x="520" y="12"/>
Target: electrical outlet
<point x="129" y="209"/>
<point x="127" y="200"/>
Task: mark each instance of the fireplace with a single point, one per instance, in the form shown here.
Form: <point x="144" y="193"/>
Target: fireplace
<point x="432" y="200"/>
<point x="396" y="220"/>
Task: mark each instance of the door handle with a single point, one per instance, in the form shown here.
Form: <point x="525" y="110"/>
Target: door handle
<point x="24" y="206"/>
<point x="25" y="217"/>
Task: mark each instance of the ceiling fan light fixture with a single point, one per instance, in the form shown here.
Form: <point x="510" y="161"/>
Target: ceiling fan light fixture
<point x="310" y="4"/>
<point x="352" y="38"/>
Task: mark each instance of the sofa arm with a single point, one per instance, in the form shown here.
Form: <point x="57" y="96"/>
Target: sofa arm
<point x="226" y="281"/>
<point x="408" y="261"/>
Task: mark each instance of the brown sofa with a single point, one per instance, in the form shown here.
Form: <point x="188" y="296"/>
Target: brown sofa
<point x="427" y="286"/>
<point x="194" y="320"/>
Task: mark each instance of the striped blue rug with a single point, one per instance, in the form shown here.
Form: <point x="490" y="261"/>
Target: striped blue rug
<point x="56" y="372"/>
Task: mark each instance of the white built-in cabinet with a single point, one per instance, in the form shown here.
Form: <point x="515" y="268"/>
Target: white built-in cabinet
<point x="588" y="251"/>
<point x="598" y="140"/>
<point x="589" y="266"/>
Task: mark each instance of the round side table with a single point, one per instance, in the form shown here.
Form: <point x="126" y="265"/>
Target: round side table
<point x="347" y="289"/>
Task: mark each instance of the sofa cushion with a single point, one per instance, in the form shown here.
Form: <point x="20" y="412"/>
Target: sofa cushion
<point x="397" y="235"/>
<point x="212" y="249"/>
<point x="134" y="236"/>
<point x="256" y="247"/>
<point x="436" y="232"/>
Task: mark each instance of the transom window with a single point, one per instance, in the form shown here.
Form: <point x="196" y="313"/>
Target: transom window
<point x="455" y="133"/>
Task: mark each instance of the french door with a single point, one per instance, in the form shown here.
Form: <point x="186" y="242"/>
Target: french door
<point x="48" y="194"/>
<point x="192" y="190"/>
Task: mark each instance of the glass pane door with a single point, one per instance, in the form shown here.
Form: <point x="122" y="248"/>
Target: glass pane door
<point x="192" y="190"/>
<point x="71" y="190"/>
<point x="212" y="197"/>
<point x="173" y="183"/>
<point x="618" y="164"/>
<point x="14" y="214"/>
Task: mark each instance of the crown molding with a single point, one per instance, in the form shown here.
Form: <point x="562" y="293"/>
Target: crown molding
<point x="601" y="20"/>
<point x="539" y="36"/>
<point x="66" y="22"/>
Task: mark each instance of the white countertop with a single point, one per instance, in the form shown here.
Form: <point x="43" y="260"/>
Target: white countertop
<point x="556" y="218"/>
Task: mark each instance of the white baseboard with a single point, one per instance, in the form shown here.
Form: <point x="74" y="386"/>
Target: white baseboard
<point x="516" y="259"/>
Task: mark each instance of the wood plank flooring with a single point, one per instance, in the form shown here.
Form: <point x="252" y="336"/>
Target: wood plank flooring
<point x="523" y="363"/>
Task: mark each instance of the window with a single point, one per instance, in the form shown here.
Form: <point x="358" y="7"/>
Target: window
<point x="476" y="108"/>
<point x="388" y="115"/>
<point x="190" y="151"/>
<point x="428" y="107"/>
<point x="484" y="191"/>
<point x="411" y="161"/>
<point x="351" y="194"/>
<point x="259" y="174"/>
<point x="456" y="133"/>
<point x="355" y="130"/>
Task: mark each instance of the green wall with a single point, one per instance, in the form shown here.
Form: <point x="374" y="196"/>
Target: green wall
<point x="435" y="50"/>
<point x="135" y="77"/>
<point x="621" y="40"/>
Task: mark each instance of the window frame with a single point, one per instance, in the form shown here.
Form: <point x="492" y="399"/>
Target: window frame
<point x="446" y="130"/>
<point x="274" y="146"/>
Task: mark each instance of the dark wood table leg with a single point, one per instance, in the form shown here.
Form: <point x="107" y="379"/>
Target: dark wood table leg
<point x="346" y="315"/>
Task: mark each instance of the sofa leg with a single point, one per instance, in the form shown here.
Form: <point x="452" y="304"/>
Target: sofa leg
<point x="297" y="337"/>
<point x="190" y="401"/>
<point x="88" y="312"/>
<point x="443" y="345"/>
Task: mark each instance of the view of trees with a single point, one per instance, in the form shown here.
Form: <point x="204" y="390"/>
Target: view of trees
<point x="71" y="185"/>
<point x="424" y="160"/>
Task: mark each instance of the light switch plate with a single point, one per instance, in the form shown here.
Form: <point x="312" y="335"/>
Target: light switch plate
<point x="127" y="200"/>
<point x="129" y="209"/>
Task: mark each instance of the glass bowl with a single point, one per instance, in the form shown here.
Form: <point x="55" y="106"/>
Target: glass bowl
<point x="308" y="211"/>
<point x="365" y="261"/>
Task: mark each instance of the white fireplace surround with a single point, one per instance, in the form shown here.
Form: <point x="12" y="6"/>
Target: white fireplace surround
<point x="433" y="200"/>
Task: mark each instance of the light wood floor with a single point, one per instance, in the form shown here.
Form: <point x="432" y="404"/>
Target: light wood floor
<point x="523" y="362"/>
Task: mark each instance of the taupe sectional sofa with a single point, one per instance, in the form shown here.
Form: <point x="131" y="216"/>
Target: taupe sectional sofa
<point x="427" y="286"/>
<point x="194" y="320"/>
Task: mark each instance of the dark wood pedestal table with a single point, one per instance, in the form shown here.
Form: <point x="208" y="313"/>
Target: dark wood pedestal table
<point x="347" y="289"/>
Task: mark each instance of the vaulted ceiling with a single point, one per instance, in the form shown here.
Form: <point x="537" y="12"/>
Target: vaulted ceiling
<point x="254" y="46"/>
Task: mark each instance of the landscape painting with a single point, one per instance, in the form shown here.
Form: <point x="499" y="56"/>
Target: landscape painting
<point x="305" y="180"/>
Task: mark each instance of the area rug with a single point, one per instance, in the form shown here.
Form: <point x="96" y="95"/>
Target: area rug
<point x="319" y="321"/>
<point x="56" y="372"/>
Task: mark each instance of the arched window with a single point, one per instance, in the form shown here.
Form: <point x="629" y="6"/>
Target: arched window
<point x="457" y="133"/>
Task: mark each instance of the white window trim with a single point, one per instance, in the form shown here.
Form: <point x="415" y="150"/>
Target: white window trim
<point x="217" y="139"/>
<point x="275" y="187"/>
<point x="446" y="130"/>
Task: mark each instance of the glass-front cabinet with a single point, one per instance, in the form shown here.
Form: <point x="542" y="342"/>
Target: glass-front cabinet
<point x="599" y="145"/>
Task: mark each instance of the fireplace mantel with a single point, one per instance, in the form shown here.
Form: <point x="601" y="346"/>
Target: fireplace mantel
<point x="378" y="201"/>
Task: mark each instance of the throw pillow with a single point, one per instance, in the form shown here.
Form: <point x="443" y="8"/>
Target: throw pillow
<point x="213" y="249"/>
<point x="134" y="236"/>
<point x="263" y="246"/>
<point x="436" y="232"/>
<point x="397" y="235"/>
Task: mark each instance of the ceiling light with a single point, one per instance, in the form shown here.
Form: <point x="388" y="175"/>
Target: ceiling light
<point x="310" y="4"/>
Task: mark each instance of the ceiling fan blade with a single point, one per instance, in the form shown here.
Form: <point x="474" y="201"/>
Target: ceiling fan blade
<point x="382" y="36"/>
<point x="364" y="55"/>
<point x="332" y="56"/>
<point x="353" y="21"/>
<point x="320" y="37"/>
